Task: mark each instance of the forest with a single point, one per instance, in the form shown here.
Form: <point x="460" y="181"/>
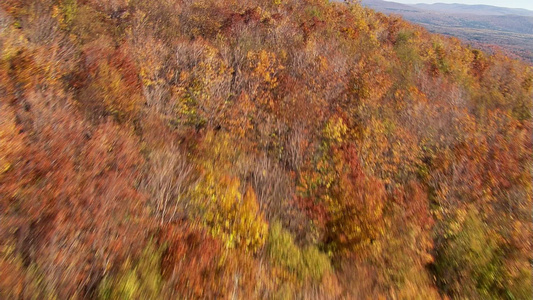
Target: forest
<point x="257" y="149"/>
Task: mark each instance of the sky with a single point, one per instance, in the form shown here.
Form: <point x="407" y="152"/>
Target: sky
<point x="527" y="4"/>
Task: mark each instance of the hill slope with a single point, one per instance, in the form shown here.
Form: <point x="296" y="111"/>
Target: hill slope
<point x="481" y="26"/>
<point x="257" y="150"/>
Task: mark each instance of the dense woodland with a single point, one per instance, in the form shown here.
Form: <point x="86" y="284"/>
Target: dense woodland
<point x="257" y="149"/>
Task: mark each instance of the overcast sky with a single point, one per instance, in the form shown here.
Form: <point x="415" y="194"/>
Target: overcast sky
<point x="527" y="4"/>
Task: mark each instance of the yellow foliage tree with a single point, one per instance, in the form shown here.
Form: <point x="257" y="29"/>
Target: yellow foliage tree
<point x="230" y="215"/>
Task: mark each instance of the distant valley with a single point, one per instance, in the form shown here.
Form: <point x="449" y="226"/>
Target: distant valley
<point x="482" y="26"/>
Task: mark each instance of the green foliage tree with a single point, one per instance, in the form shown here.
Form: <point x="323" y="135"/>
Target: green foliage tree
<point x="467" y="264"/>
<point x="141" y="279"/>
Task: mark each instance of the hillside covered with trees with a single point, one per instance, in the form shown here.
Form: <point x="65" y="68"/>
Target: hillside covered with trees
<point x="257" y="149"/>
<point x="483" y="26"/>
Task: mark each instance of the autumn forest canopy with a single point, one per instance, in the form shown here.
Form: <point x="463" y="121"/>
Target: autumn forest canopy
<point x="257" y="149"/>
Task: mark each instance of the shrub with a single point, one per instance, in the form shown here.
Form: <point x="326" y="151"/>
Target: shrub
<point x="305" y="265"/>
<point x="135" y="280"/>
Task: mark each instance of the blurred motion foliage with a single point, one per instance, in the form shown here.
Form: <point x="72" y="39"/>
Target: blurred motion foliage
<point x="257" y="149"/>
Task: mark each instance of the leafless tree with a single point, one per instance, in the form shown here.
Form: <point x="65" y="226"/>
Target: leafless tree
<point x="166" y="181"/>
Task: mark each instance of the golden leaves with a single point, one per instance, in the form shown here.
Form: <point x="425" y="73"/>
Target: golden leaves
<point x="231" y="216"/>
<point x="335" y="130"/>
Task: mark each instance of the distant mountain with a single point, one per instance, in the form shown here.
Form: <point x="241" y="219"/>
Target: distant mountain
<point x="482" y="10"/>
<point x="389" y="7"/>
<point x="481" y="25"/>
